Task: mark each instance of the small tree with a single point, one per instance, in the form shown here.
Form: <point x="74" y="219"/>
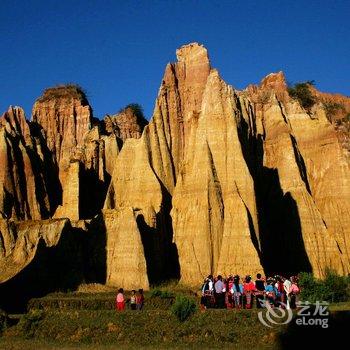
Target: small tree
<point x="302" y="93"/>
<point x="136" y="109"/>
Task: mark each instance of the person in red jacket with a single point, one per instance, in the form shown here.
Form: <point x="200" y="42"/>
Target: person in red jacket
<point x="140" y="299"/>
<point x="248" y="288"/>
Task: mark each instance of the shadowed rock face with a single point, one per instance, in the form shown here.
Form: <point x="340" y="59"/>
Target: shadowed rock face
<point x="220" y="181"/>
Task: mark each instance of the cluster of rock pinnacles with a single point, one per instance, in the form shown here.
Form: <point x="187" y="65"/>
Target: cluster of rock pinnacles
<point x="219" y="181"/>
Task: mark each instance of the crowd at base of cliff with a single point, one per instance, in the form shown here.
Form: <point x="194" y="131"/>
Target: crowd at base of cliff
<point x="231" y="293"/>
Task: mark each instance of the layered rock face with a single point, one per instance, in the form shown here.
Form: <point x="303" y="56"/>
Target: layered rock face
<point x="19" y="243"/>
<point x="58" y="165"/>
<point x="235" y="170"/>
<point x="25" y="178"/>
<point x="41" y="256"/>
<point x="214" y="210"/>
<point x="220" y="181"/>
<point x="65" y="116"/>
<point x="82" y="150"/>
<point x="146" y="170"/>
<point x="294" y="175"/>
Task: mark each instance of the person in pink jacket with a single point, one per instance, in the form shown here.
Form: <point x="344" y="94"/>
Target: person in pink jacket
<point x="120" y="300"/>
<point x="294" y="292"/>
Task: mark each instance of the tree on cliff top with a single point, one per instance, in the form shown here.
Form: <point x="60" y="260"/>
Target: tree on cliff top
<point x="302" y="93"/>
<point x="136" y="109"/>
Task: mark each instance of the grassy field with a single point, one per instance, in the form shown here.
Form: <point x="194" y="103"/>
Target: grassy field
<point x="87" y="320"/>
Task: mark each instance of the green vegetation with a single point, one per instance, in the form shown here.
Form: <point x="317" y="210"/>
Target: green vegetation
<point x="29" y="323"/>
<point x="333" y="288"/>
<point x="302" y="93"/>
<point x="147" y="328"/>
<point x="184" y="307"/>
<point x="66" y="91"/>
<point x="161" y="293"/>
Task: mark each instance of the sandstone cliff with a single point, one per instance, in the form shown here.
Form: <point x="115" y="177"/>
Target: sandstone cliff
<point x="48" y="162"/>
<point x="219" y="181"/>
<point x="298" y="184"/>
<point x="25" y="179"/>
<point x="235" y="170"/>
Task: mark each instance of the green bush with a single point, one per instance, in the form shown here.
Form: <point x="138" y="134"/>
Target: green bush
<point x="156" y="293"/>
<point x="183" y="307"/>
<point x="333" y="288"/>
<point x="30" y="321"/>
<point x="302" y="93"/>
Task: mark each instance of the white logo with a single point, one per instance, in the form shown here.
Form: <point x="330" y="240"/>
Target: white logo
<point x="304" y="315"/>
<point x="281" y="315"/>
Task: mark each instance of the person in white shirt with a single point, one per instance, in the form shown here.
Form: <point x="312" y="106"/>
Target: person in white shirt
<point x="287" y="284"/>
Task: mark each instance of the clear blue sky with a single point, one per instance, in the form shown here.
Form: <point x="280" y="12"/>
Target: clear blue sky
<point x="117" y="50"/>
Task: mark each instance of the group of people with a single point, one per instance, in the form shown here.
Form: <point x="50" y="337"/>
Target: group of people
<point x="231" y="292"/>
<point x="136" y="300"/>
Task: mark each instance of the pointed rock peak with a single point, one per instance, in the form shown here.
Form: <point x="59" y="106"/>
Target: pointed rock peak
<point x="274" y="81"/>
<point x="192" y="53"/>
<point x="15" y="117"/>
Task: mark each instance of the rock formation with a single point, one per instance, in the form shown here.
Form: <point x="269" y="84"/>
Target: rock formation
<point x="220" y="181"/>
<point x="19" y="242"/>
<point x="25" y="178"/>
<point x="128" y="123"/>
<point x="230" y="166"/>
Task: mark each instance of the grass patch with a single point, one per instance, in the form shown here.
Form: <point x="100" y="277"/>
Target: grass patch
<point x="148" y="328"/>
<point x="97" y="301"/>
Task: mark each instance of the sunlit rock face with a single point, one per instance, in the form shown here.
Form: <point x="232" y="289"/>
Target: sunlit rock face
<point x="26" y="184"/>
<point x="220" y="181"/>
<point x="83" y="148"/>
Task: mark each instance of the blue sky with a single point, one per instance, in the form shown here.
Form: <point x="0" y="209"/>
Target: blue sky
<point x="117" y="50"/>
